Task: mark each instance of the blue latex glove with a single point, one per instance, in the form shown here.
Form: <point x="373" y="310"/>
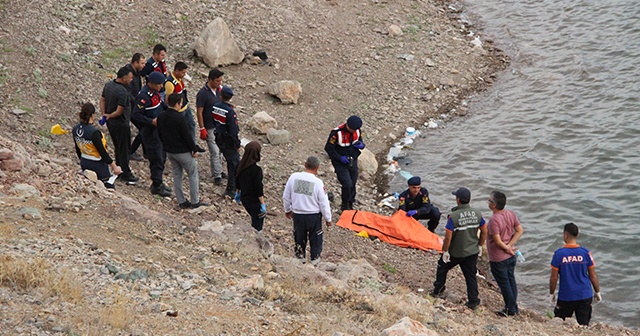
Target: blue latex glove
<point x="411" y="213"/>
<point x="102" y="120"/>
<point x="344" y="159"/>
<point x="263" y="210"/>
<point x="358" y="144"/>
<point x="237" y="197"/>
<point x="396" y="195"/>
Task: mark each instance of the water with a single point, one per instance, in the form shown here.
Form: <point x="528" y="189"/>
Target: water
<point x="559" y="133"/>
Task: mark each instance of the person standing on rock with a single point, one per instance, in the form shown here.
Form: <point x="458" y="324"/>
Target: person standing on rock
<point x="148" y="106"/>
<point x="462" y="246"/>
<point x="344" y="146"/>
<point x="415" y="201"/>
<point x="115" y="106"/>
<point x="208" y="96"/>
<point x="226" y="133"/>
<point x="504" y="230"/>
<point x="306" y="202"/>
<point x="175" y="84"/>
<point x="136" y="65"/>
<point x="574" y="266"/>
<point x="91" y="146"/>
<point x="249" y="185"/>
<point x="177" y="141"/>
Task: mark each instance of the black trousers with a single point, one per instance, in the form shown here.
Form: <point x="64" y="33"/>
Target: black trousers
<point x="434" y="218"/>
<point x="232" y="157"/>
<point x="254" y="211"/>
<point x="307" y="227"/>
<point x="137" y="141"/>
<point x="155" y="153"/>
<point x="468" y="267"/>
<point x="582" y="308"/>
<point x="347" y="176"/>
<point x="121" y="137"/>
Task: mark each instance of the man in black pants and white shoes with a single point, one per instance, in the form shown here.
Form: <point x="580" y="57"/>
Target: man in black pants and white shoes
<point x="306" y="202"/>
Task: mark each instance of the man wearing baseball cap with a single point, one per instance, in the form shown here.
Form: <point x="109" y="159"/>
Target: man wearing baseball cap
<point x="344" y="146"/>
<point x="226" y="133"/>
<point x="415" y="201"/>
<point x="462" y="246"/>
<point x="148" y="106"/>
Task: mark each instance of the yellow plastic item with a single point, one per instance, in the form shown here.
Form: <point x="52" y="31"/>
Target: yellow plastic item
<point x="57" y="130"/>
<point x="362" y="234"/>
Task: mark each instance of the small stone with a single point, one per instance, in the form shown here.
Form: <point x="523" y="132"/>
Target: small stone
<point x="278" y="137"/>
<point x="288" y="91"/>
<point x="6" y="154"/>
<point x="30" y="213"/>
<point x="429" y="62"/>
<point x="261" y="122"/>
<point x="395" y="30"/>
<point x="155" y="294"/>
<point x="91" y="175"/>
<point x="18" y="111"/>
<point x="406" y="57"/>
<point x="14" y="164"/>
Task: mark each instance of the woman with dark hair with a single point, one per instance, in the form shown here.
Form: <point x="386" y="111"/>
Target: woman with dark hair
<point x="91" y="146"/>
<point x="249" y="185"/>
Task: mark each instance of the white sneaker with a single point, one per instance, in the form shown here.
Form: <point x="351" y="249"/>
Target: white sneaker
<point x="315" y="262"/>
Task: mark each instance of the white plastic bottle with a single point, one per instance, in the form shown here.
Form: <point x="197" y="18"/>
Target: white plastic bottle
<point x="520" y="257"/>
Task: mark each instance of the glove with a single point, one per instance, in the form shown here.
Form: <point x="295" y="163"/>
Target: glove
<point x="237" y="197"/>
<point x="480" y="250"/>
<point x="552" y="298"/>
<point x="446" y="257"/>
<point x="102" y="120"/>
<point x="344" y="159"/>
<point x="396" y="195"/>
<point x="411" y="213"/>
<point x="203" y="134"/>
<point x="263" y="211"/>
<point x="358" y="144"/>
<point x="597" y="297"/>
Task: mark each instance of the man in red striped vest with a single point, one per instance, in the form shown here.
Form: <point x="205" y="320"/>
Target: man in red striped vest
<point x="344" y="146"/>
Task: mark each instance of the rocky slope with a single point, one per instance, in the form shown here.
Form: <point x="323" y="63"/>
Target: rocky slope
<point x="75" y="259"/>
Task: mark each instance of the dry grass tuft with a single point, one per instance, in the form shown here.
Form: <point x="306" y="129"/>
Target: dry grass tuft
<point x="116" y="313"/>
<point x="27" y="274"/>
<point x="22" y="274"/>
<point x="6" y="231"/>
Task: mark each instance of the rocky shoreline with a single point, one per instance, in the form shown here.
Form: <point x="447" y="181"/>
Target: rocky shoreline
<point x="78" y="260"/>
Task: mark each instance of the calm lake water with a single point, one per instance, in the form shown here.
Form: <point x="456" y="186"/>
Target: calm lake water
<point x="559" y="133"/>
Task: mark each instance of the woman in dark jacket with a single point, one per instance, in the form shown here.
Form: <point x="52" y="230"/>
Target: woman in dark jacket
<point x="249" y="185"/>
<point x="91" y="146"/>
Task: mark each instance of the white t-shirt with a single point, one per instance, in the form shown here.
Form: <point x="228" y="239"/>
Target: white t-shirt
<point x="304" y="194"/>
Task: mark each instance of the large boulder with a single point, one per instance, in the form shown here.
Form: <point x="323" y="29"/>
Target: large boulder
<point x="216" y="45"/>
<point x="14" y="164"/>
<point x="261" y="122"/>
<point x="367" y="162"/>
<point x="408" y="327"/>
<point x="6" y="154"/>
<point x="278" y="137"/>
<point x="288" y="91"/>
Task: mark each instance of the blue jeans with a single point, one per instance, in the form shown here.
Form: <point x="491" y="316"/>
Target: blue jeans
<point x="503" y="272"/>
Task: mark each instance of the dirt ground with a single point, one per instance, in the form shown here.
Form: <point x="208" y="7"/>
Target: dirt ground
<point x="347" y="63"/>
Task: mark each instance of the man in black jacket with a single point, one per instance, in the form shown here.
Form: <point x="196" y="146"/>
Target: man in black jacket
<point x="136" y="65"/>
<point x="115" y="105"/>
<point x="415" y="201"/>
<point x="344" y="146"/>
<point x="177" y="141"/>
<point x="226" y="132"/>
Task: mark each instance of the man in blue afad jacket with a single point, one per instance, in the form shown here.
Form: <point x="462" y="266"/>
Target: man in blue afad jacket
<point x="575" y="268"/>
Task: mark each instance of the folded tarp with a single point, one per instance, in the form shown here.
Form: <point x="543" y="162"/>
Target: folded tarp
<point x="398" y="229"/>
